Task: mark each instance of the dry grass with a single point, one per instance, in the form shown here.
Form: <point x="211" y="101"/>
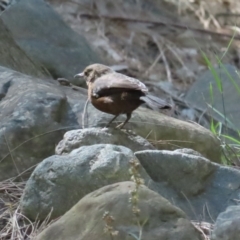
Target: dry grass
<point x="13" y="224"/>
<point x="205" y="228"/>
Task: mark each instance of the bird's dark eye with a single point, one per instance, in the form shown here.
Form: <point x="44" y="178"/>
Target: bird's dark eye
<point x="87" y="72"/>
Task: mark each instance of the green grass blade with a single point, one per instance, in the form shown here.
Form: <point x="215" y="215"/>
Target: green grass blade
<point x="211" y="92"/>
<point x="221" y="115"/>
<point x="229" y="45"/>
<point x="212" y="127"/>
<point x="213" y="71"/>
<point x="232" y="139"/>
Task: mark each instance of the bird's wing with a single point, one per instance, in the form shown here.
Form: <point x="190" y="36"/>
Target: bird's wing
<point x="114" y="82"/>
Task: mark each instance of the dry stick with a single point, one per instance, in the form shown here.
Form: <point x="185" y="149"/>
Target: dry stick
<point x="160" y="23"/>
<point x="14" y="178"/>
<point x="209" y="214"/>
<point x="154" y="63"/>
<point x="174" y="52"/>
<point x="16" y="232"/>
<point x="28" y="226"/>
<point x="165" y="61"/>
<point x="191" y="206"/>
<point x="168" y="71"/>
<point x="201" y="13"/>
<point x="201" y="231"/>
<point x="148" y="134"/>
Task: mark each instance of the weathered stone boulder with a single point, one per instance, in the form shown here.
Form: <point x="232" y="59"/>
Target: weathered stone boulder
<point x="227" y="226"/>
<point x="59" y="182"/>
<point x="84" y="137"/>
<point x="46" y="38"/>
<point x="12" y="56"/>
<point x="201" y="188"/>
<point x="158" y="219"/>
<point x="34" y="114"/>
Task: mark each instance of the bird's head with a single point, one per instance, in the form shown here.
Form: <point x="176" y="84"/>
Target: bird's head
<point x="94" y="71"/>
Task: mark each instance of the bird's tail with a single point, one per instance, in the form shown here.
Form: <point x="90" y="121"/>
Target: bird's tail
<point x="156" y="103"/>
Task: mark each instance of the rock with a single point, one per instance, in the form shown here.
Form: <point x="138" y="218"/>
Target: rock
<point x="199" y="95"/>
<point x="227" y="226"/>
<point x="188" y="151"/>
<point x="202" y="189"/>
<point x="159" y="219"/>
<point x="89" y="136"/>
<point x="59" y="182"/>
<point x="46" y="38"/>
<point x="165" y="132"/>
<point x="34" y="114"/>
<point x="13" y="57"/>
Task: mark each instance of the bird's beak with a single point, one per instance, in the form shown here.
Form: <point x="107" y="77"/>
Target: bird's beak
<point x="79" y="75"/>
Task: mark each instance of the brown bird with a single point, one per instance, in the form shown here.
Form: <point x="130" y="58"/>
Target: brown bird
<point x="116" y="94"/>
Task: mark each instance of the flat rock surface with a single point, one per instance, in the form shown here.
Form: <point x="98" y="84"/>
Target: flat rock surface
<point x="59" y="182"/>
<point x="89" y="136"/>
<point x="201" y="188"/>
<point x="159" y="219"/>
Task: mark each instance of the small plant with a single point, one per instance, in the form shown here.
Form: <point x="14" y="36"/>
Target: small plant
<point x="134" y="199"/>
<point x="108" y="228"/>
<point x="136" y="178"/>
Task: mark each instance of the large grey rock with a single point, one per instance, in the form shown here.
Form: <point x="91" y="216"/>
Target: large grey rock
<point x="46" y="38"/>
<point x="84" y="137"/>
<point x="59" y="182"/>
<point x="199" y="187"/>
<point x="13" y="57"/>
<point x="199" y="95"/>
<point x="158" y="219"/>
<point x="34" y="114"/>
<point x="164" y="132"/>
<point x="227" y="226"/>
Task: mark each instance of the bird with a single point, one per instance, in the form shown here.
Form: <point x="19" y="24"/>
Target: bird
<point x="115" y="93"/>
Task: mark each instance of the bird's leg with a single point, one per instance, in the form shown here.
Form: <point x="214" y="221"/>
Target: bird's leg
<point x="112" y="120"/>
<point x="121" y="125"/>
<point x="84" y="113"/>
